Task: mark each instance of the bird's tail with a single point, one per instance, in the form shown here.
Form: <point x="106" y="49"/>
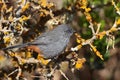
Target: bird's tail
<point x="23" y="45"/>
<point x="16" y="46"/>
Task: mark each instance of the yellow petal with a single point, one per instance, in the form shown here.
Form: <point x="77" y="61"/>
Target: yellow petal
<point x="96" y="52"/>
<point x="79" y="63"/>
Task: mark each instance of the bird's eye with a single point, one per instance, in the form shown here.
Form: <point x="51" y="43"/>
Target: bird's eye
<point x="69" y="31"/>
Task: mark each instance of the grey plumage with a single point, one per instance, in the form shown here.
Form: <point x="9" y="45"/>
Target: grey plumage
<point x="51" y="43"/>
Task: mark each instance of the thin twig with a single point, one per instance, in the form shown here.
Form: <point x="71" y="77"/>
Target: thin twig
<point x="19" y="73"/>
<point x="91" y="27"/>
<point x="12" y="72"/>
<point x="64" y="74"/>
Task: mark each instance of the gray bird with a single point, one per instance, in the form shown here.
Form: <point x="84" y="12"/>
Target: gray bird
<point x="50" y="43"/>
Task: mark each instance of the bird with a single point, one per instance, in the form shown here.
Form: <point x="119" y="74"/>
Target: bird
<point x="50" y="44"/>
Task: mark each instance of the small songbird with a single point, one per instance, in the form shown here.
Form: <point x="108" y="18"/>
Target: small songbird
<point x="50" y="44"/>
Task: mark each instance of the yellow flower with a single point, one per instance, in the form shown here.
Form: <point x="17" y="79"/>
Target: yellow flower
<point x="7" y="39"/>
<point x="24" y="18"/>
<point x="42" y="60"/>
<point x="101" y="35"/>
<point x="79" y="63"/>
<point x="87" y="9"/>
<point x="96" y="52"/>
<point x="25" y="7"/>
<point x="118" y="22"/>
